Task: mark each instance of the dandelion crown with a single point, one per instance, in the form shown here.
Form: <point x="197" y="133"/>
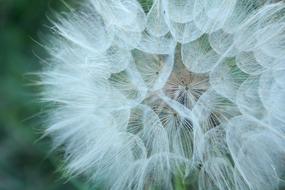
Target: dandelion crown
<point x="181" y="94"/>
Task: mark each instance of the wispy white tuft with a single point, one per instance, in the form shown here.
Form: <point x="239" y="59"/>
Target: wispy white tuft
<point x="190" y="94"/>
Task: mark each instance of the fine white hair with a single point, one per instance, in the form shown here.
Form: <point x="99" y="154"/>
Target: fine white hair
<point x="184" y="94"/>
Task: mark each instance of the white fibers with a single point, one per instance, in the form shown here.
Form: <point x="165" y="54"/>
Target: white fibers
<point x="190" y="92"/>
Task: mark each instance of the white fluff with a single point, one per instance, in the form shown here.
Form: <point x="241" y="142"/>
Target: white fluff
<point x="189" y="94"/>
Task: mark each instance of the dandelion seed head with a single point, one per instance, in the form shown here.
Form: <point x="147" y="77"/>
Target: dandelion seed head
<point x="189" y="91"/>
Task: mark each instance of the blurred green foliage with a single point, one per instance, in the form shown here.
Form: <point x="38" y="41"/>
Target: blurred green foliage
<point x="25" y="162"/>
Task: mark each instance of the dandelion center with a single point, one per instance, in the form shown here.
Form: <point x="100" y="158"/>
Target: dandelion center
<point x="181" y="91"/>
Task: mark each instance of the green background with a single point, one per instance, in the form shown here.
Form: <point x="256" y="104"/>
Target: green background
<point x="25" y="160"/>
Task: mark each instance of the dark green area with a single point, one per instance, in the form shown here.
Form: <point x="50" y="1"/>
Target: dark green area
<point x="25" y="161"/>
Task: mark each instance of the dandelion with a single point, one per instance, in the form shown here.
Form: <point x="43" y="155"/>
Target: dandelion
<point x="184" y="90"/>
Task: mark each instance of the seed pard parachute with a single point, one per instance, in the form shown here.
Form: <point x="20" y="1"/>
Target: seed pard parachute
<point x="183" y="90"/>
